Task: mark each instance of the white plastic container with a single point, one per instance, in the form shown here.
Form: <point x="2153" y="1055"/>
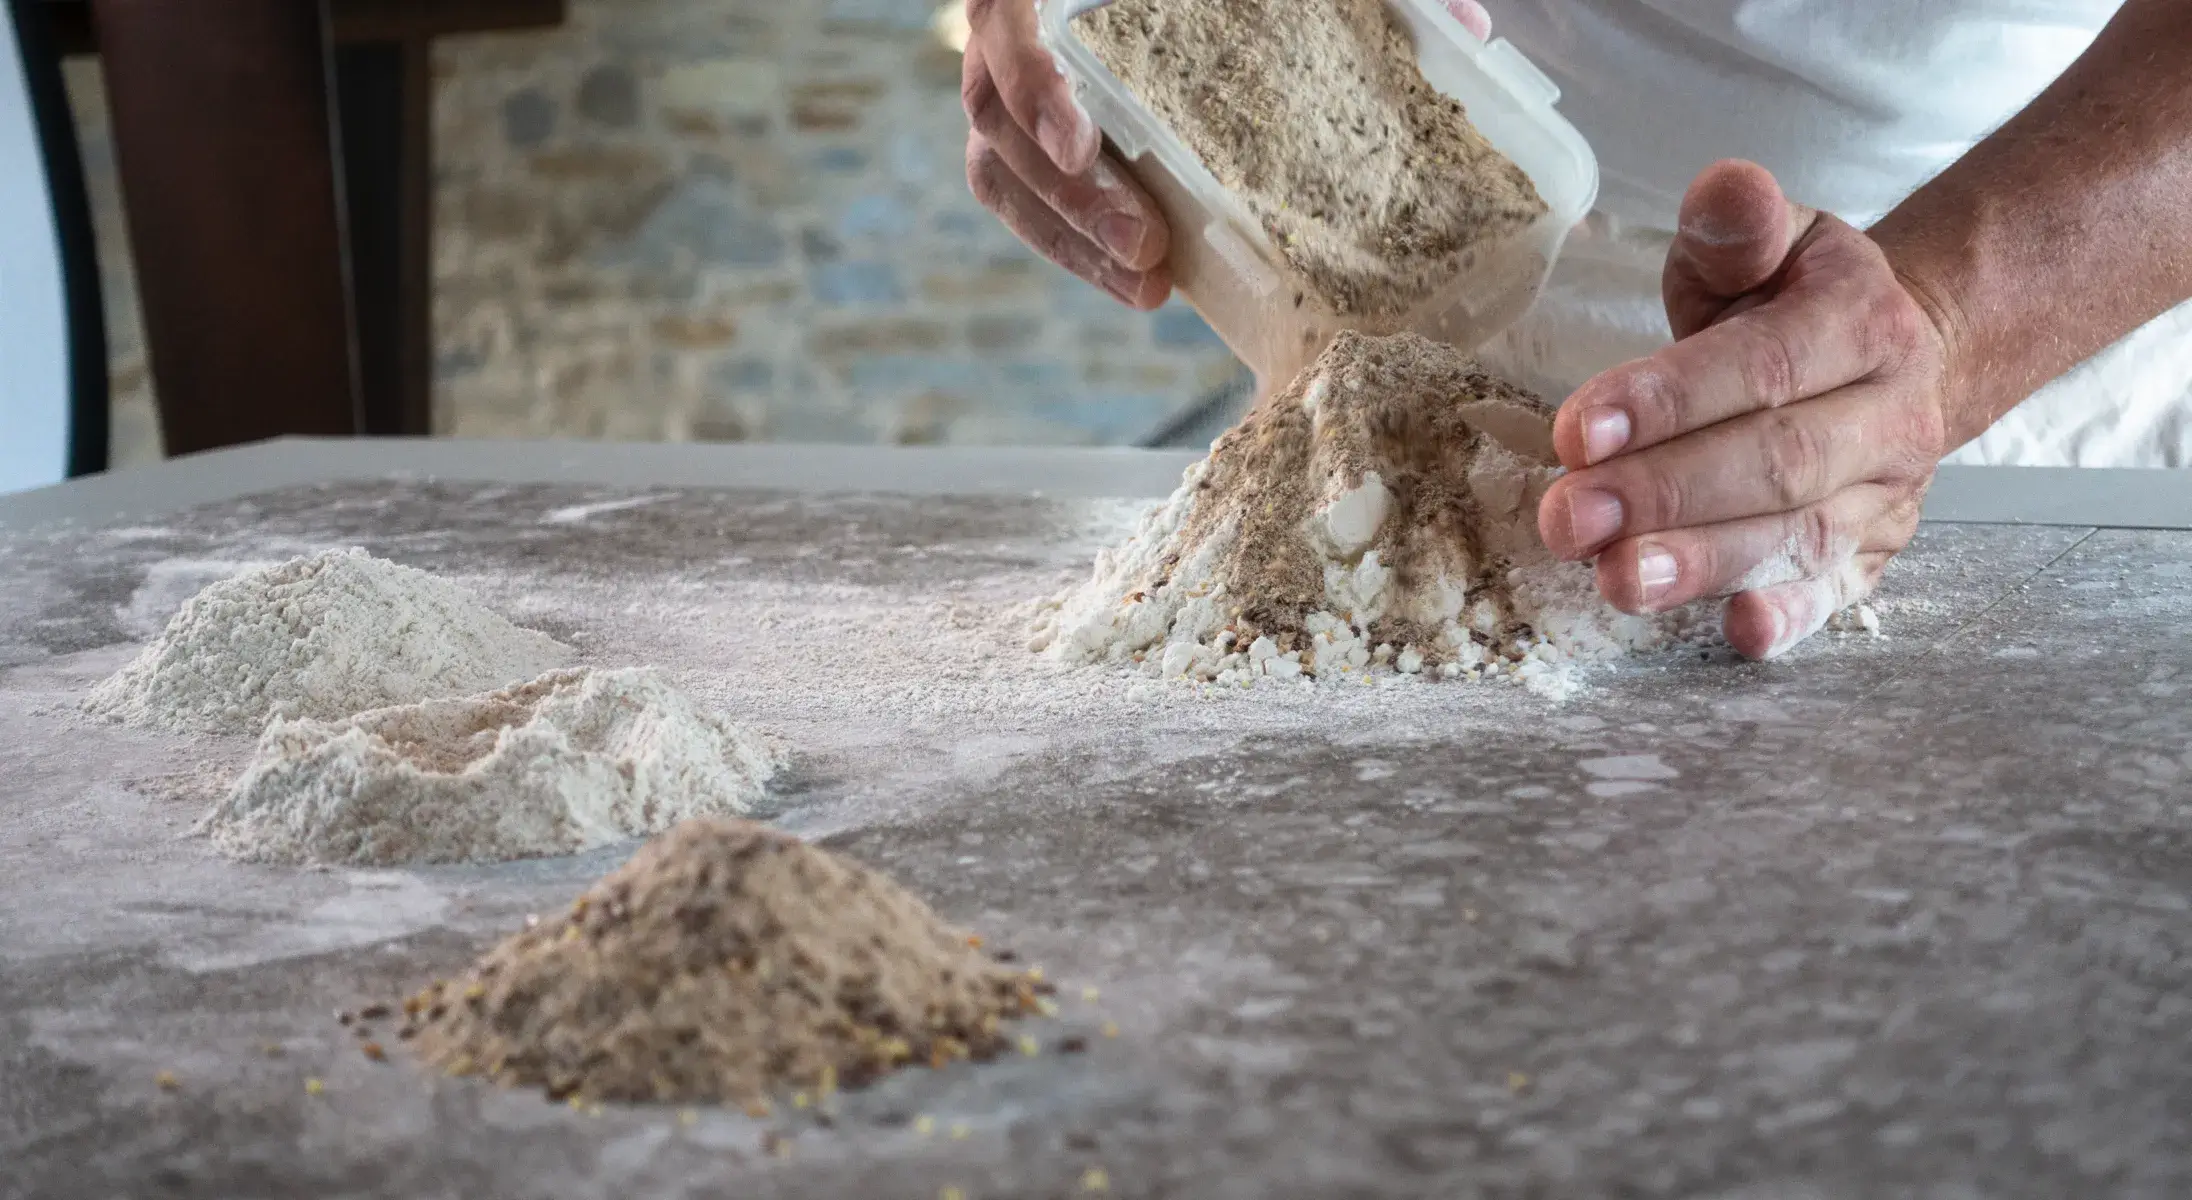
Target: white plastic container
<point x="1229" y="270"/>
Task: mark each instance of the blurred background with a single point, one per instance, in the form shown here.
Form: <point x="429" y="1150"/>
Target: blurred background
<point x="725" y="220"/>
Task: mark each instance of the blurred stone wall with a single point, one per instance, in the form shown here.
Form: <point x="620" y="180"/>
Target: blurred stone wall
<point x="733" y="219"/>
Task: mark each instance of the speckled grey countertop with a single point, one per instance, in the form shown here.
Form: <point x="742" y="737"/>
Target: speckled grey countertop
<point x="1907" y="917"/>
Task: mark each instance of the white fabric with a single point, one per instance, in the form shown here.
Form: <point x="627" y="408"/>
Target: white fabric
<point x="1853" y="104"/>
<point x="34" y="375"/>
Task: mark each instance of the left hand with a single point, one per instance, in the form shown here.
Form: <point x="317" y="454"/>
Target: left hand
<point x="1777" y="453"/>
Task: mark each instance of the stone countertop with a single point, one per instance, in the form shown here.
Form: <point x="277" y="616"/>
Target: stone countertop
<point x="1895" y="917"/>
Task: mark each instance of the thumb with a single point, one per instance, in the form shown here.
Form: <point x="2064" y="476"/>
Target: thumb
<point x="1736" y="230"/>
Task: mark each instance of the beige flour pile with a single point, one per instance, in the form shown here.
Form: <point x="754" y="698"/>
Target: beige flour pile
<point x="723" y="962"/>
<point x="324" y="636"/>
<point x="569" y="761"/>
<point x="1380" y="515"/>
<point x="1373" y="184"/>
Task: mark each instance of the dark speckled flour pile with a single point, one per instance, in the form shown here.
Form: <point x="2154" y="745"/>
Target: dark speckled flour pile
<point x="1379" y="516"/>
<point x="723" y="962"/>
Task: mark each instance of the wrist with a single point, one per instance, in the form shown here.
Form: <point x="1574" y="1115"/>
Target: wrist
<point x="1966" y="410"/>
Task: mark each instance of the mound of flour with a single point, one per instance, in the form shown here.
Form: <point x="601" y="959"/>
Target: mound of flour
<point x="1380" y="515"/>
<point x="323" y="637"/>
<point x="725" y="961"/>
<point x="572" y="760"/>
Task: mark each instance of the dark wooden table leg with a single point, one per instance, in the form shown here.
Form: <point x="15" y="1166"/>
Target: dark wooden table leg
<point x="385" y="91"/>
<point x="224" y="138"/>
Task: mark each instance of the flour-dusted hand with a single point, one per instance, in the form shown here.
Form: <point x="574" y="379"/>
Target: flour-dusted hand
<point x="1778" y="451"/>
<point x="1036" y="159"/>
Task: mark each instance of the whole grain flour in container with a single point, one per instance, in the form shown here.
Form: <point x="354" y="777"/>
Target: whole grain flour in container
<point x="1372" y="184"/>
<point x="724" y="962"/>
<point x="1330" y="165"/>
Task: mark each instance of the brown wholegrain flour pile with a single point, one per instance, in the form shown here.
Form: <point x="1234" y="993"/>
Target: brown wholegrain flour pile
<point x="1378" y="516"/>
<point x="723" y="962"/>
<point x="1372" y="184"/>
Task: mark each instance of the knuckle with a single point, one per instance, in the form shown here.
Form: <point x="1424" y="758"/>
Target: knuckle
<point x="1658" y="400"/>
<point x="1795" y="458"/>
<point x="1057" y="245"/>
<point x="1926" y="434"/>
<point x="978" y="94"/>
<point x="1918" y="437"/>
<point x="1902" y="520"/>
<point x="1669" y="498"/>
<point x="1892" y="328"/>
<point x="1771" y="368"/>
<point x="985" y="174"/>
<point x="979" y="12"/>
<point x="1061" y="247"/>
<point x="1055" y="241"/>
<point x="1703" y="559"/>
<point x="1817" y="540"/>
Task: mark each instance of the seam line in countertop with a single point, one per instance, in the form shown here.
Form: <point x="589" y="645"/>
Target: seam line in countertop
<point x="1960" y="630"/>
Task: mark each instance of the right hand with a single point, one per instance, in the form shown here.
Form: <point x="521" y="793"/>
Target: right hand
<point x="1036" y="159"/>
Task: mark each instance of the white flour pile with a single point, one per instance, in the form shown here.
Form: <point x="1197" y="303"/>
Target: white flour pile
<point x="323" y="637"/>
<point x="1379" y="516"/>
<point x="572" y="760"/>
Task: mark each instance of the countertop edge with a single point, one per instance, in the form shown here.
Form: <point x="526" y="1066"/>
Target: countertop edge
<point x="2104" y="498"/>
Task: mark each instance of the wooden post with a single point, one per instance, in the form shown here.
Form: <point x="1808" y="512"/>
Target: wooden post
<point x="226" y="146"/>
<point x="386" y="93"/>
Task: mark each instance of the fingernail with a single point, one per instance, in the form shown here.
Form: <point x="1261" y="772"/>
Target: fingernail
<point x="1056" y="136"/>
<point x="1593" y="518"/>
<point x="1126" y="289"/>
<point x="1655" y="570"/>
<point x="1605" y="432"/>
<point x="1121" y="235"/>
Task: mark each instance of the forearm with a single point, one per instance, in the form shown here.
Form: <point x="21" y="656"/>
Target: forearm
<point x="2064" y="230"/>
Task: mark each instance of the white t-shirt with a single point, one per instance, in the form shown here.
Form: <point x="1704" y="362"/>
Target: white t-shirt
<point x="1852" y="104"/>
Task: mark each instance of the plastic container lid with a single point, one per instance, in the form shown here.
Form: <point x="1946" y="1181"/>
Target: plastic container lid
<point x="1229" y="270"/>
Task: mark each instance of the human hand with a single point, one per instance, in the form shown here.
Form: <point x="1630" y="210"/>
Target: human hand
<point x="1777" y="453"/>
<point x="1036" y="160"/>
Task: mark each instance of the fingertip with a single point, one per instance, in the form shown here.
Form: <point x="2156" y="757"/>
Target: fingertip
<point x="1736" y="227"/>
<point x="1558" y="519"/>
<point x="1090" y="146"/>
<point x="1067" y="133"/>
<point x="1568" y="436"/>
<point x="1057" y="131"/>
<point x="1753" y="625"/>
<point x="1472" y="17"/>
<point x="1730" y="202"/>
<point x="1598" y="421"/>
<point x="1552" y="517"/>
<point x="1618" y="584"/>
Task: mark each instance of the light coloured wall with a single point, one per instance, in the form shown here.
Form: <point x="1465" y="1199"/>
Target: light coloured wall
<point x="733" y="219"/>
